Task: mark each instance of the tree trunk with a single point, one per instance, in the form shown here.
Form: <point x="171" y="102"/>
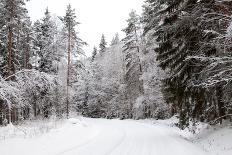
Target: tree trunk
<point x="10" y="52"/>
<point x="137" y="46"/>
<point x="9" y="115"/>
<point x="10" y="67"/>
<point x="68" y="71"/>
<point x="27" y="54"/>
<point x="221" y="105"/>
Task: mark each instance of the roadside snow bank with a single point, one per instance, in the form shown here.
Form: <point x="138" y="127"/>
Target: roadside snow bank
<point x="46" y="137"/>
<point x="217" y="140"/>
<point x="29" y="129"/>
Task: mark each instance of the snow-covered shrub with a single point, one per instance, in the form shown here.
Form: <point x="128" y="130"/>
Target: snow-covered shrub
<point x="10" y="95"/>
<point x="32" y="93"/>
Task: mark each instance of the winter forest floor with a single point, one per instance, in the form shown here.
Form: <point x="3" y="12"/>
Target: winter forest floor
<point x="84" y="136"/>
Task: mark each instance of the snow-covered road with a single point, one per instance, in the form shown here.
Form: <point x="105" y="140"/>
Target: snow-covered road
<point x="103" y="137"/>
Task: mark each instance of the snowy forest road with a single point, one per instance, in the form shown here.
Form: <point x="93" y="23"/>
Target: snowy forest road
<point x="117" y="137"/>
<point x="104" y="137"/>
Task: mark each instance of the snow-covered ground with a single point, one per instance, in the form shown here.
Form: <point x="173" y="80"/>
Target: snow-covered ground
<point x="83" y="136"/>
<point x="217" y="140"/>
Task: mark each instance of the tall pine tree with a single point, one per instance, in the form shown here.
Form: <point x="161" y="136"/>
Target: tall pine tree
<point x="74" y="44"/>
<point x="132" y="51"/>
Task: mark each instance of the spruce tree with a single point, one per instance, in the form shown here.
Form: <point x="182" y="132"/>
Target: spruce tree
<point x="115" y="40"/>
<point x="183" y="45"/>
<point x="46" y="38"/>
<point x="37" y="43"/>
<point x="102" y="45"/>
<point x="94" y="54"/>
<point x="151" y="16"/>
<point x="179" y="37"/>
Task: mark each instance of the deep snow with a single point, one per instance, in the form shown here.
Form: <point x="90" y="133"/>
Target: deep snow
<point x="83" y="136"/>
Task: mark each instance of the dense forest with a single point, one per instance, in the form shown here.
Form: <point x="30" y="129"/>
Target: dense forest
<point x="175" y="59"/>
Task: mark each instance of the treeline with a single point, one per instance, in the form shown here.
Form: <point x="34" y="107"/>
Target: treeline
<point x="174" y="60"/>
<point x="36" y="62"/>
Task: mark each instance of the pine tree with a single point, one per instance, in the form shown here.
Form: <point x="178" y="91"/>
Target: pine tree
<point x="14" y="15"/>
<point x="3" y="51"/>
<point x="94" y="54"/>
<point x="216" y="59"/>
<point x="15" y="39"/>
<point x="102" y="45"/>
<point x="37" y="43"/>
<point x="134" y="86"/>
<point x="27" y="45"/>
<point x="152" y="103"/>
<point x="74" y="45"/>
<point x="132" y="39"/>
<point x="115" y="40"/>
<point x="44" y="30"/>
<point x="151" y="16"/>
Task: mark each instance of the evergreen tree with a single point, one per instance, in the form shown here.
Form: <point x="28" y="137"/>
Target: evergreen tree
<point x="48" y="45"/>
<point x="3" y="45"/>
<point x="26" y="44"/>
<point x="216" y="59"/>
<point x="151" y="15"/>
<point x="45" y="39"/>
<point x="103" y="44"/>
<point x="134" y="85"/>
<point x="183" y="46"/>
<point x="37" y="47"/>
<point x="115" y="40"/>
<point x="14" y="15"/>
<point x="175" y="45"/>
<point x="94" y="54"/>
<point x="74" y="44"/>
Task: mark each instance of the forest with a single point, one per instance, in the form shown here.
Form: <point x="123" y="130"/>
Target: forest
<point x="174" y="60"/>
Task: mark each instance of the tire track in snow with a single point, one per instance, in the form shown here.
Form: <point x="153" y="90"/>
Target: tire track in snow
<point x="118" y="143"/>
<point x="94" y="140"/>
<point x="79" y="145"/>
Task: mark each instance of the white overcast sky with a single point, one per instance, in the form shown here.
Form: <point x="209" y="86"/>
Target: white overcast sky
<point x="96" y="16"/>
